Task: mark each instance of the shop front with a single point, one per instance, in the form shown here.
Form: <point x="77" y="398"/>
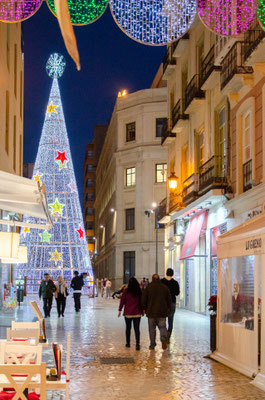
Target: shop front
<point x="241" y="292"/>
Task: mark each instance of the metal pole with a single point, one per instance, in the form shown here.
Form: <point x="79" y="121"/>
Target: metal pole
<point x="156" y="266"/>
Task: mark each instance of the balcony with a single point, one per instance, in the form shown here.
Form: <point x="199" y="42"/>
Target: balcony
<point x="190" y="189"/>
<point x="254" y="45"/>
<point x="175" y="202"/>
<point x="179" y="118"/>
<point x="212" y="174"/>
<point x="210" y="73"/>
<point x="180" y="45"/>
<point x="167" y="135"/>
<point x="247" y="175"/>
<point x="193" y="94"/>
<point x="234" y="69"/>
<point x="169" y="63"/>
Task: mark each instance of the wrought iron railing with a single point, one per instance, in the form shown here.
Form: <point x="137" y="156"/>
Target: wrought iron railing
<point x="178" y="112"/>
<point x="193" y="90"/>
<point x="175" y="44"/>
<point x="233" y="63"/>
<point x="190" y="189"/>
<point x="247" y="175"/>
<point x="252" y="38"/>
<point x="208" y="65"/>
<point x="168" y="58"/>
<point x="213" y="173"/>
<point x="167" y="131"/>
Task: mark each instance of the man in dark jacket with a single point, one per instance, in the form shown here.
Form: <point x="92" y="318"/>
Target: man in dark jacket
<point x="46" y="290"/>
<point x="77" y="284"/>
<point x="173" y="286"/>
<point x="156" y="303"/>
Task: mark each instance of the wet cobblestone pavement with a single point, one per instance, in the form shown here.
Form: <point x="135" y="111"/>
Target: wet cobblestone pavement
<point x="179" y="373"/>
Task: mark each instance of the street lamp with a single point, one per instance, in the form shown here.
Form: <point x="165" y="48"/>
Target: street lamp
<point x="172" y="181"/>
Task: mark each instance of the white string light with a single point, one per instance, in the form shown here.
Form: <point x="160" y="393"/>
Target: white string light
<point x="154" y="22"/>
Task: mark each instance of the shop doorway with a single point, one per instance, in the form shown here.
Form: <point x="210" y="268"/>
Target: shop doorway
<point x="128" y="265"/>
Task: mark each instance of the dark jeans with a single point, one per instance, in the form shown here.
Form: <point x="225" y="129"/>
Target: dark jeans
<point x="161" y="324"/>
<point x="61" y="302"/>
<point x="171" y="318"/>
<point x="136" y="326"/>
<point x="47" y="305"/>
<point x="77" y="300"/>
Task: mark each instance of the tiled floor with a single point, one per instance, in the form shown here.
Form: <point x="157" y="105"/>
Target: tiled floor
<point x="180" y="373"/>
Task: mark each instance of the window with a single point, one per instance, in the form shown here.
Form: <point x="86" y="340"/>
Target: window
<point x="90" y="182"/>
<point x="90" y="240"/>
<point x="246" y="137"/>
<point x="14" y="142"/>
<point x="220" y="138"/>
<point x="128" y="265"/>
<point x="89" y="211"/>
<point x="159" y="126"/>
<point x="130" y="176"/>
<point x="7" y="123"/>
<point x="90" y="197"/>
<point x="89" y="225"/>
<point x="89" y="153"/>
<point x="129" y="219"/>
<point x="90" y="168"/>
<point x="200" y="148"/>
<point x="130" y="132"/>
<point x="161" y="173"/>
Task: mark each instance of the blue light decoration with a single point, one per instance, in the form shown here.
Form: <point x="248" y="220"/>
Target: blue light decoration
<point x="63" y="249"/>
<point x="154" y="22"/>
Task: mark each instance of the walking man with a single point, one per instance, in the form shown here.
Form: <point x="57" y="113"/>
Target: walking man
<point x="46" y="290"/>
<point x="156" y="303"/>
<point x="77" y="284"/>
<point x="173" y="286"/>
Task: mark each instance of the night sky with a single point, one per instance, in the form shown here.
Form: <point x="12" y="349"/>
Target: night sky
<point x="110" y="61"/>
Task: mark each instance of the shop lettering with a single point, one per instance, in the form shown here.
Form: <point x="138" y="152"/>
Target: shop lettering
<point x="253" y="244"/>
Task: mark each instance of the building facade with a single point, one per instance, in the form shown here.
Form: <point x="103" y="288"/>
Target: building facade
<point x="215" y="148"/>
<point x="130" y="177"/>
<point x="93" y="151"/>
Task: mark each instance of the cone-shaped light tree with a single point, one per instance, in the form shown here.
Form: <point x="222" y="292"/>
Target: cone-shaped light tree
<point x="63" y="249"/>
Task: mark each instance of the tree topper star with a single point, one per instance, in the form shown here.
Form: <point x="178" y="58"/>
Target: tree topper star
<point x="37" y="177"/>
<point x="51" y="109"/>
<point x="56" y="207"/>
<point x="81" y="233"/>
<point x="56" y="256"/>
<point x="61" y="156"/>
<point x="45" y="236"/>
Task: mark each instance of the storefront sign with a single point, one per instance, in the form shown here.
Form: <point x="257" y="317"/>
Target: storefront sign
<point x="254" y="244"/>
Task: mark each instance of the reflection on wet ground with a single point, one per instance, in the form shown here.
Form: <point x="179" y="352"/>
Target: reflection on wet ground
<point x="179" y="373"/>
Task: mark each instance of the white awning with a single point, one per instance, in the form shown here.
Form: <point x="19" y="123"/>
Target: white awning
<point x="26" y="197"/>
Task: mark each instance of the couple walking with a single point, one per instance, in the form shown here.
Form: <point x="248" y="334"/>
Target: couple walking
<point x="157" y="301"/>
<point x="46" y="291"/>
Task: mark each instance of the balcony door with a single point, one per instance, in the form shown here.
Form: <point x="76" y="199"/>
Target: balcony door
<point x="200" y="149"/>
<point x="221" y="141"/>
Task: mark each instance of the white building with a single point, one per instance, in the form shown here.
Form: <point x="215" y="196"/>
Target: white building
<point x="131" y="176"/>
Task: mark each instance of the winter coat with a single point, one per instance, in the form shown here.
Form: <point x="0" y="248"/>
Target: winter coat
<point x="173" y="287"/>
<point x="156" y="300"/>
<point x="131" y="304"/>
<point x="64" y="289"/>
<point x="77" y="283"/>
<point x="46" y="290"/>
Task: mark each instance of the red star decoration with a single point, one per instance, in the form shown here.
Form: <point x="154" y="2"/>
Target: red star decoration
<point x="61" y="156"/>
<point x="81" y="233"/>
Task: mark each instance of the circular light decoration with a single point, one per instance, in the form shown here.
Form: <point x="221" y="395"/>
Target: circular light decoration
<point x="18" y="10"/>
<point x="55" y="65"/>
<point x="154" y="22"/>
<point x="227" y="17"/>
<point x="83" y="12"/>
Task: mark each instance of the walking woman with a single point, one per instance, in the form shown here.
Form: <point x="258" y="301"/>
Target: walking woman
<point x="60" y="295"/>
<point x="131" y="302"/>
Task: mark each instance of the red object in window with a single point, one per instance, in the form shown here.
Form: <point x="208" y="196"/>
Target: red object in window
<point x="195" y="227"/>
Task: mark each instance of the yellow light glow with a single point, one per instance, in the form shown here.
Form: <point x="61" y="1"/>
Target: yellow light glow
<point x="173" y="181"/>
<point x="122" y="93"/>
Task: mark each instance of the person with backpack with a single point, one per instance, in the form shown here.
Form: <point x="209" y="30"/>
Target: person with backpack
<point x="131" y="302"/>
<point x="77" y="284"/>
<point x="173" y="286"/>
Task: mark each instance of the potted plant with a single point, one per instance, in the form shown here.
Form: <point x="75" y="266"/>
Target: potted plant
<point x="212" y="306"/>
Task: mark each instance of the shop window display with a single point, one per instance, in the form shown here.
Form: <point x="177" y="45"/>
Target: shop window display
<point x="238" y="291"/>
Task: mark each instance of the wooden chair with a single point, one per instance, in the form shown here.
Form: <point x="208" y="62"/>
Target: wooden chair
<point x="14" y="336"/>
<point x="25" y="325"/>
<point x="22" y="377"/>
<point x="20" y="354"/>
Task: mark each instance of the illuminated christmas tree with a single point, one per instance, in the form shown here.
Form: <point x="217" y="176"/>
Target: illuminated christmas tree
<point x="62" y="249"/>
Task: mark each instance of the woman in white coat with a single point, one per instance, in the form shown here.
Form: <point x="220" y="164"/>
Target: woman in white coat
<point x="60" y="295"/>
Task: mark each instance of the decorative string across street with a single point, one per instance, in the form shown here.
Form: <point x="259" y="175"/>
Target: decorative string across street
<point x="151" y="22"/>
<point x="63" y="248"/>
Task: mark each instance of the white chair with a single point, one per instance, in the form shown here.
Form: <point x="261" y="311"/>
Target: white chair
<point x="25" y="325"/>
<point x="20" y="354"/>
<point x="18" y="336"/>
<point x="21" y="377"/>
